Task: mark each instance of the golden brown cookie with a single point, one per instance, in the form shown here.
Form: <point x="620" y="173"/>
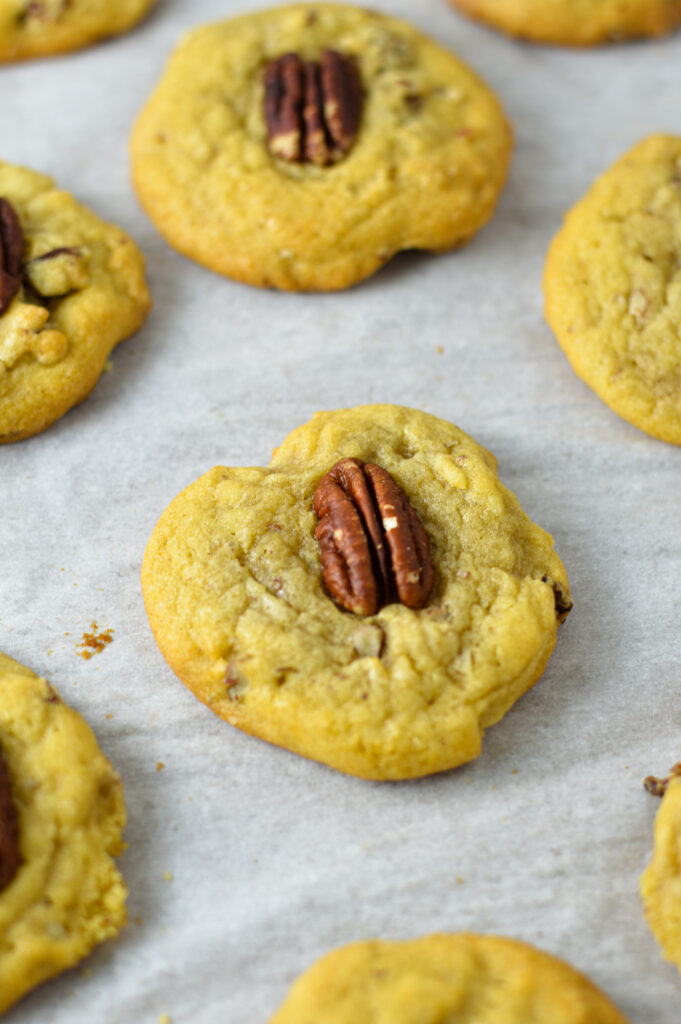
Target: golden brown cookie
<point x="612" y="287"/>
<point x="576" y="22"/>
<point x="61" y="818"/>
<point x="71" y="288"/>
<point x="308" y="172"/>
<point x="39" y="28"/>
<point x="661" y="881"/>
<point x="232" y="581"/>
<point x="461" y="978"/>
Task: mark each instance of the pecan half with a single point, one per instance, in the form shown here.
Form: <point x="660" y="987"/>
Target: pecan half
<point x="312" y="109"/>
<point x="10" y="856"/>
<point x="374" y="548"/>
<point x="11" y="254"/>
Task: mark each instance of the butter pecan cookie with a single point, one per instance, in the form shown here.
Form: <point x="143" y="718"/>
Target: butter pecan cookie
<point x="612" y="287"/>
<point x="300" y="148"/>
<point x="467" y="978"/>
<point x="71" y="288"/>
<point x="661" y="881"/>
<point x="576" y="22"/>
<point x="38" y="28"/>
<point x="61" y="817"/>
<point x="375" y="599"/>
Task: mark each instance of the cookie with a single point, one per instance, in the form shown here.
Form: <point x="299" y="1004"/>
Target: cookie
<point x="612" y="287"/>
<point x="576" y="22"/>
<point x="38" y="28"/>
<point x="71" y="288"/>
<point x="61" y="818"/>
<point x="661" y="881"/>
<point x="470" y="979"/>
<point x="403" y="687"/>
<point x="300" y="148"/>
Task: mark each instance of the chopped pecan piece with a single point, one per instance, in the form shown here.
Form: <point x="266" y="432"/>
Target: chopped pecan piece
<point x="44" y="10"/>
<point x="658" y="787"/>
<point x="312" y="109"/>
<point x="11" y="254"/>
<point x="10" y="855"/>
<point x="564" y="603"/>
<point x="373" y="546"/>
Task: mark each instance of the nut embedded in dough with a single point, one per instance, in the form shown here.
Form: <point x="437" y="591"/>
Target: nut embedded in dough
<point x="324" y="139"/>
<point x="374" y="549"/>
<point x="232" y="582"/>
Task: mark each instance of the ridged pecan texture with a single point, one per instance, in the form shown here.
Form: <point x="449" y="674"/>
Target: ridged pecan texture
<point x="10" y="856"/>
<point x="11" y="254"/>
<point x="374" y="548"/>
<point x="312" y="109"/>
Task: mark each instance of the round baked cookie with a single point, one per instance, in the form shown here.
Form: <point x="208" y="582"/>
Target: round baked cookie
<point x="470" y="979"/>
<point x="576" y="22"/>
<point x="612" y="287"/>
<point x="423" y="170"/>
<point x="38" y="28"/>
<point x="232" y="581"/>
<point x="71" y="288"/>
<point x="661" y="881"/>
<point x="62" y="803"/>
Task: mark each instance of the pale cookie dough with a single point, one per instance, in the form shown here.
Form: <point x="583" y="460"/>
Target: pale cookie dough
<point x="458" y="979"/>
<point x="424" y="172"/>
<point x="661" y="881"/>
<point x="612" y="287"/>
<point x="39" y="28"/>
<point x="233" y="589"/>
<point x="576" y="22"/>
<point x="67" y="895"/>
<point x="82" y="291"/>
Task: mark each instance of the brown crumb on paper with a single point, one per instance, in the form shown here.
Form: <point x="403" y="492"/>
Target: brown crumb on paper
<point x="94" y="642"/>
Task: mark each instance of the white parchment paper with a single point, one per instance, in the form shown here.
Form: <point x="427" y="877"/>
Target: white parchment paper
<point x="246" y="862"/>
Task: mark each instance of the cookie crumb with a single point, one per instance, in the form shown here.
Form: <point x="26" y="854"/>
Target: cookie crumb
<point x="94" y="642"/>
<point x="164" y="1019"/>
<point x="440" y="349"/>
<point x="167" y="876"/>
<point x="160" y="766"/>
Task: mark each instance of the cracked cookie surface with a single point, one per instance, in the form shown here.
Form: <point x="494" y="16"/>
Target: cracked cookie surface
<point x="661" y="881"/>
<point x="424" y="171"/>
<point x="461" y="978"/>
<point x="67" y="895"/>
<point x="576" y="22"/>
<point x="612" y="287"/>
<point x="233" y="589"/>
<point x="39" y="28"/>
<point x="82" y="291"/>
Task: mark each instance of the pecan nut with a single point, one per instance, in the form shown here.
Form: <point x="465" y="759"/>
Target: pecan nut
<point x="563" y="601"/>
<point x="312" y="109"/>
<point x="374" y="548"/>
<point x="11" y="254"/>
<point x="658" y="787"/>
<point x="10" y="856"/>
